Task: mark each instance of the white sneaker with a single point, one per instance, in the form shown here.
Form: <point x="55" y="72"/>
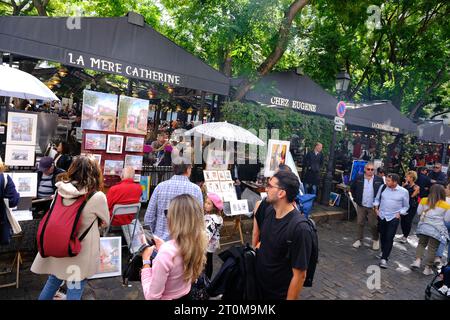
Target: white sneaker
<point x="443" y="289"/>
<point x="60" y="296"/>
<point x="357" y="244"/>
<point x="415" y="264"/>
<point x="427" y="271"/>
<point x="376" y="245"/>
<point x="437" y="261"/>
<point x="383" y="264"/>
<point x="403" y="239"/>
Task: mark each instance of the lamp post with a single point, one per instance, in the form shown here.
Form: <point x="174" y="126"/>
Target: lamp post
<point x="342" y="82"/>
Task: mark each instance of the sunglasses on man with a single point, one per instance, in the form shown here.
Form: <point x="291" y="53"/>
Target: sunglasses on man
<point x="370" y="169"/>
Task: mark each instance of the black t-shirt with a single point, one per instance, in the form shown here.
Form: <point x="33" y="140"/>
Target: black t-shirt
<point x="273" y="268"/>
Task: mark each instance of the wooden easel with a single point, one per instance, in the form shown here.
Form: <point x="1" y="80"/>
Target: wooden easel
<point x="237" y="226"/>
<point x="16" y="264"/>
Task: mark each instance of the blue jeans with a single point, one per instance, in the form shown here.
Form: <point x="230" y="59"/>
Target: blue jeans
<point x="440" y="251"/>
<point x="74" y="289"/>
<point x="310" y="188"/>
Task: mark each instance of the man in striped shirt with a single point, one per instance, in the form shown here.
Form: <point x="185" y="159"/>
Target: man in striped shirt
<point x="47" y="177"/>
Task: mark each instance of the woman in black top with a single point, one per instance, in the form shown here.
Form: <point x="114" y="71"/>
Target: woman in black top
<point x="63" y="160"/>
<point x="413" y="190"/>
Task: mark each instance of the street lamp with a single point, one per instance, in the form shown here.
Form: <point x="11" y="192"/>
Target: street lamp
<point x="342" y="82"/>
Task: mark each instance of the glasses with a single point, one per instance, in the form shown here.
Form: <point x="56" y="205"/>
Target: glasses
<point x="437" y="167"/>
<point x="370" y="169"/>
<point x="269" y="186"/>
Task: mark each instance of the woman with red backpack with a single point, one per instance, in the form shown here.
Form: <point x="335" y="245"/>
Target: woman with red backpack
<point x="68" y="235"/>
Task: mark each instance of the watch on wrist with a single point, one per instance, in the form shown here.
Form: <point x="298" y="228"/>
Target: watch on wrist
<point x="144" y="262"/>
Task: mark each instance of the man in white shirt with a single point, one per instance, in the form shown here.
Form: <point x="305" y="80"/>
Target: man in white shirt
<point x="391" y="202"/>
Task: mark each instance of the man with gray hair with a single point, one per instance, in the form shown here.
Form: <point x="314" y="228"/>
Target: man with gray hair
<point x="125" y="192"/>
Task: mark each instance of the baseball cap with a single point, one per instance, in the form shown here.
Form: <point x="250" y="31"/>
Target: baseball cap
<point x="45" y="163"/>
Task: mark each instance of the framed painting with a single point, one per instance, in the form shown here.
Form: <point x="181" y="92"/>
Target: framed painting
<point x="26" y="183"/>
<point x="18" y="155"/>
<point x="133" y="114"/>
<point x="110" y="264"/>
<point x="134" y="161"/>
<point x="134" y="144"/>
<point x="99" y="111"/>
<point x="22" y="128"/>
<point x="115" y="144"/>
<point x="95" y="141"/>
<point x="276" y="154"/>
<point x="113" y="168"/>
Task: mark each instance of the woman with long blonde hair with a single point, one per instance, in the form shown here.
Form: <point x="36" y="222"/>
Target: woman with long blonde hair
<point x="431" y="229"/>
<point x="170" y="268"/>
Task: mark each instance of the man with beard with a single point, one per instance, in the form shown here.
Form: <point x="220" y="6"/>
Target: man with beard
<point x="281" y="275"/>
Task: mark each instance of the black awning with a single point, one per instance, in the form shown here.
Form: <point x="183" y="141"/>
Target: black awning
<point x="380" y="115"/>
<point x="437" y="132"/>
<point x="113" y="45"/>
<point x="291" y="90"/>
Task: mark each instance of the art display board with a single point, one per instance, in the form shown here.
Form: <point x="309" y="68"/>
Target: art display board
<point x="276" y="155"/>
<point x="110" y="147"/>
<point x="99" y="111"/>
<point x="110" y="264"/>
<point x="239" y="207"/>
<point x="133" y="115"/>
<point x="22" y="128"/>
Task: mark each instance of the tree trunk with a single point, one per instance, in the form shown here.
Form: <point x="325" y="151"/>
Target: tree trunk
<point x="278" y="50"/>
<point x="41" y="7"/>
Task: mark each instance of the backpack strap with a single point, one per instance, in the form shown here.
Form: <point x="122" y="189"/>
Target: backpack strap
<point x="382" y="190"/>
<point x="88" y="197"/>
<point x="291" y="230"/>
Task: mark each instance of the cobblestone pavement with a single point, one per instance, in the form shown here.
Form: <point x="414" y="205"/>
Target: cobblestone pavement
<point x="341" y="273"/>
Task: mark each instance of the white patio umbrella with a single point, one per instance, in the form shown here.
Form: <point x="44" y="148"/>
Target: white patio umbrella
<point x="225" y="131"/>
<point x="19" y="84"/>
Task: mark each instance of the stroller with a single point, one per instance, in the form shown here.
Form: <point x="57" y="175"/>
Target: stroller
<point x="432" y="291"/>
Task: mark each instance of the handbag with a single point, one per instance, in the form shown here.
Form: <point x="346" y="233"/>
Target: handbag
<point x="132" y="271"/>
<point x="15" y="226"/>
<point x="199" y="289"/>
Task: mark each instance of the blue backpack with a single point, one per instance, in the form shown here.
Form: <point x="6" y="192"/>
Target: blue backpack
<point x="305" y="203"/>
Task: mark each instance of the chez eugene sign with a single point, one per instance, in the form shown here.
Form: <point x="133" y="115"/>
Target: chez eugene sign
<point x="283" y="102"/>
<point x="126" y="70"/>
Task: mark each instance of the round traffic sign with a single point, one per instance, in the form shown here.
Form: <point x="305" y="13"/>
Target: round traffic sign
<point x="340" y="109"/>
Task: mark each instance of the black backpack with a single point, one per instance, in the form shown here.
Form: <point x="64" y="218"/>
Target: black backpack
<point x="314" y="259"/>
<point x="236" y="279"/>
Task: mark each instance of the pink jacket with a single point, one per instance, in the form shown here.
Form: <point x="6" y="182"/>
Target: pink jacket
<point x="164" y="281"/>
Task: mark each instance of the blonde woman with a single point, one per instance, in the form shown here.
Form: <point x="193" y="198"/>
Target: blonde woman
<point x="413" y="191"/>
<point x="170" y="268"/>
<point x="431" y="229"/>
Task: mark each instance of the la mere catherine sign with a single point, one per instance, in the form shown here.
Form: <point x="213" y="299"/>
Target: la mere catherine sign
<point x="123" y="69"/>
<point x="294" y="104"/>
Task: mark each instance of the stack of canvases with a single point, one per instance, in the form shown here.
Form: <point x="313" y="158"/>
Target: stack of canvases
<point x="104" y="132"/>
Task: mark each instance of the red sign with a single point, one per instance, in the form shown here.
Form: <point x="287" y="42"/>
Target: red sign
<point x="340" y="109"/>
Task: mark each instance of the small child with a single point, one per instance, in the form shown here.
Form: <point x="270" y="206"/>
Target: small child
<point x="213" y="222"/>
